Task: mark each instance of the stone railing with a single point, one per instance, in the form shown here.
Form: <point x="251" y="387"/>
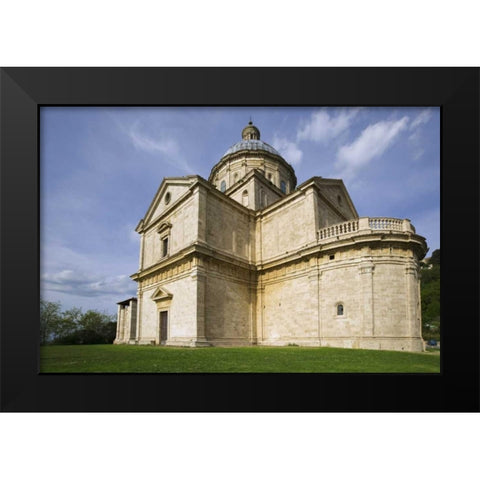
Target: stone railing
<point x="366" y="224"/>
<point x="383" y="223"/>
<point x="338" y="229"/>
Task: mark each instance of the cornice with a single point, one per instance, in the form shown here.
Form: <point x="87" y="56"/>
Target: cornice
<point x="327" y="246"/>
<point x="188" y="253"/>
<point x="200" y="249"/>
<point x="245" y="155"/>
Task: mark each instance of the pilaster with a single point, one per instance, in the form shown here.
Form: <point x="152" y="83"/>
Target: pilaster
<point x="260" y="312"/>
<point x="314" y="278"/>
<point x="199" y="278"/>
<point x="202" y="214"/>
<point x="118" y="339"/>
<point x="411" y="298"/>
<point x="138" y="335"/>
<point x="366" y="278"/>
<point x="142" y="248"/>
<point x="252" y="290"/>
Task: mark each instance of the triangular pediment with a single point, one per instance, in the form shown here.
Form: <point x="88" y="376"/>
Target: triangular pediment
<point x="336" y="194"/>
<point x="171" y="190"/>
<point x="161" y="294"/>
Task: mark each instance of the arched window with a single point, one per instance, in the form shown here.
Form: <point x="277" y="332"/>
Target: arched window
<point x="223" y="186"/>
<point x="245" y="198"/>
<point x="340" y="309"/>
<point x="283" y="186"/>
<point x="164" y="246"/>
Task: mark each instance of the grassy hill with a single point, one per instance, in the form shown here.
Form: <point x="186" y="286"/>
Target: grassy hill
<point x="147" y="359"/>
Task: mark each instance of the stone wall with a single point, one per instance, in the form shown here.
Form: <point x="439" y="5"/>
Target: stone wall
<point x="288" y="228"/>
<point x="228" y="312"/>
<point x="298" y="302"/>
<point x="183" y="232"/>
<point x="250" y="200"/>
<point x="229" y="229"/>
<point x="327" y="216"/>
<point x="182" y="311"/>
<point x="289" y="313"/>
<point x="175" y="192"/>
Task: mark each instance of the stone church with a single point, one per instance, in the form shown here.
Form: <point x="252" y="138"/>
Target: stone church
<point x="247" y="257"/>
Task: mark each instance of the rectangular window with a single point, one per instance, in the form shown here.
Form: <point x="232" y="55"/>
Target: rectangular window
<point x="165" y="247"/>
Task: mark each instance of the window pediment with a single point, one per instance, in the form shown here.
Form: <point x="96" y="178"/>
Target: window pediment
<point x="161" y="294"/>
<point x="165" y="227"/>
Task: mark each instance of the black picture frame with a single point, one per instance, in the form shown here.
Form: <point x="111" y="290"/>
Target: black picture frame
<point x="24" y="90"/>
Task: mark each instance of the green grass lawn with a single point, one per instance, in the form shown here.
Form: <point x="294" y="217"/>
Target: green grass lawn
<point x="148" y="359"/>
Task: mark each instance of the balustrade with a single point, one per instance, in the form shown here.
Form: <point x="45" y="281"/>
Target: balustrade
<point x="339" y="229"/>
<point x="366" y="223"/>
<point x="385" y="224"/>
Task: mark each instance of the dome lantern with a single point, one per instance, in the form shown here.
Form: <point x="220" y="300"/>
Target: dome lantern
<point x="250" y="132"/>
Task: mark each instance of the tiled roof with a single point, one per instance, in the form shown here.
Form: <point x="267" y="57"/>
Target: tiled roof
<point x="251" y="145"/>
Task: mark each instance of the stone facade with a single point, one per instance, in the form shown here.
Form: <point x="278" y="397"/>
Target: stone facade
<point x="249" y="258"/>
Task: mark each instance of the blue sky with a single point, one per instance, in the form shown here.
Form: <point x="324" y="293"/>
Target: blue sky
<point x="100" y="168"/>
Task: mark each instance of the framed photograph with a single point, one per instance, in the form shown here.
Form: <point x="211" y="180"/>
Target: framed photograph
<point x="284" y="117"/>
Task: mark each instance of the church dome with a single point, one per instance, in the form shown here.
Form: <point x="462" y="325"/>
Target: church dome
<point x="251" y="153"/>
<point x="251" y="141"/>
<point x="251" y="145"/>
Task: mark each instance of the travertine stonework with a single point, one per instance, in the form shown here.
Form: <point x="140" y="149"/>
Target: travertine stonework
<point x="266" y="262"/>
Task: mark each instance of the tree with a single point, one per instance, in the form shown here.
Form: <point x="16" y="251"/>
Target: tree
<point x="435" y="258"/>
<point x="430" y="292"/>
<point x="94" y="328"/>
<point x="50" y="317"/>
<point x="73" y="326"/>
<point x="68" y="326"/>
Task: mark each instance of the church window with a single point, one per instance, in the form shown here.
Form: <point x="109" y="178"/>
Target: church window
<point x="167" y="198"/>
<point x="340" y="309"/>
<point x="164" y="246"/>
<point x="332" y="257"/>
<point x="339" y="199"/>
<point x="283" y="186"/>
<point x="270" y="176"/>
<point x="223" y="186"/>
<point x="245" y="198"/>
<point x="164" y="233"/>
<point x="235" y="177"/>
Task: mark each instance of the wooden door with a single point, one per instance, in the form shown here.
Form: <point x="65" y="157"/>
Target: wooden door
<point x="163" y="327"/>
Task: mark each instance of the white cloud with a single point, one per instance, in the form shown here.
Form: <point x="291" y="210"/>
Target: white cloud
<point x="166" y="146"/>
<point x="322" y="127"/>
<point x="415" y="138"/>
<point x="289" y="150"/>
<point x="422" y="118"/>
<point x="87" y="285"/>
<point x="371" y="143"/>
<point x="141" y="141"/>
<point x="418" y="153"/>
